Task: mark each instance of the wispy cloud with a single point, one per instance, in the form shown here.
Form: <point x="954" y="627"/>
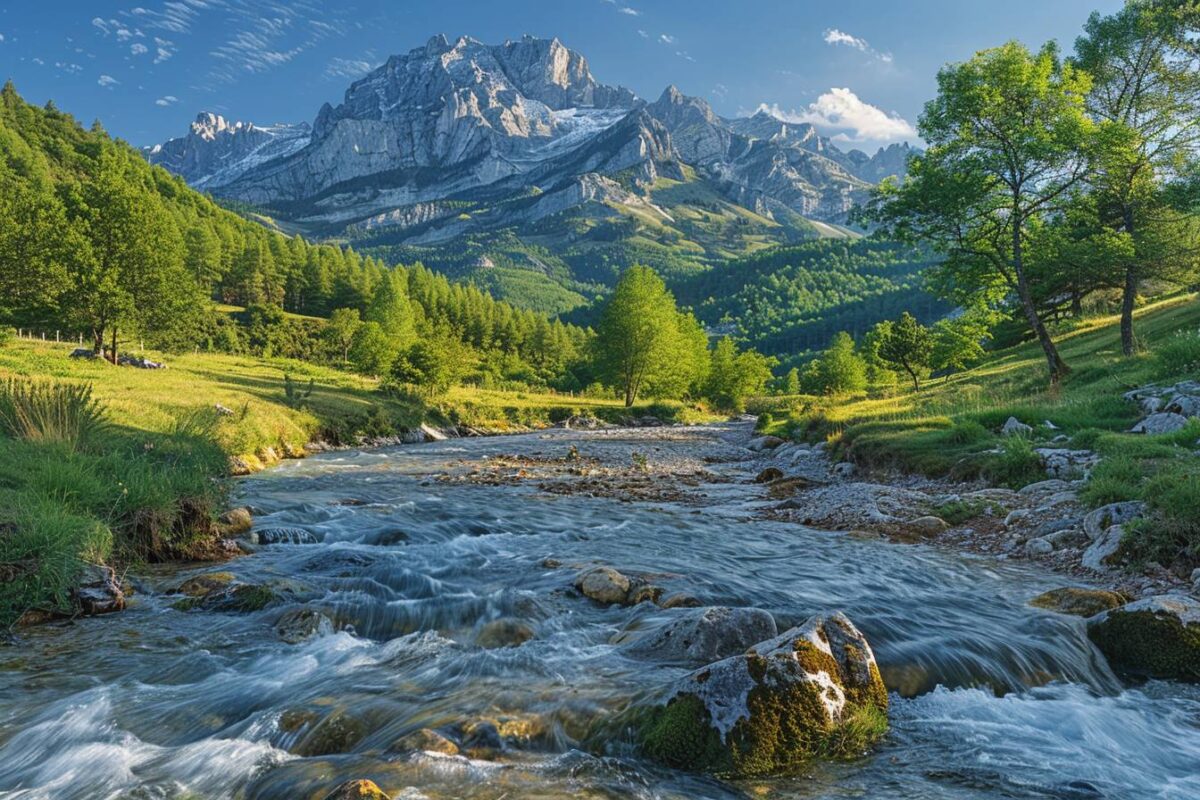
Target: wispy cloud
<point x="720" y="91"/>
<point x="841" y="113"/>
<point x="169" y="100"/>
<point x="839" y="38"/>
<point x="138" y="49"/>
<point x="666" y="38"/>
<point x="107" y="81"/>
<point x="344" y="68"/>
<point x="1" y="38"/>
<point x="68" y="67"/>
<point x="163" y="50"/>
<point x="643" y="34"/>
<point x="633" y="12"/>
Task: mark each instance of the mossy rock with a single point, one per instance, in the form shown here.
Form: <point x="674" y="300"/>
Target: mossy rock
<point x="338" y="732"/>
<point x="1078" y="602"/>
<point x="812" y="692"/>
<point x="358" y="790"/>
<point x="200" y="585"/>
<point x="240" y="598"/>
<point x="1158" y="637"/>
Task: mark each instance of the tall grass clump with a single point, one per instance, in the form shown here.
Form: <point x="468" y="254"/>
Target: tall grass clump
<point x="53" y="413"/>
<point x="1178" y="355"/>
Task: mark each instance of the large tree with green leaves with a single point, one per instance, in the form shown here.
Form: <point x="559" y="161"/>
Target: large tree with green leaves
<point x="1009" y="138"/>
<point x="135" y="276"/>
<point x="644" y="342"/>
<point x="1144" y="61"/>
<point x="733" y="376"/>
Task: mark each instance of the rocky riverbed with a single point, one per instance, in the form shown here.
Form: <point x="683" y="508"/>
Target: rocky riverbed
<point x="607" y="613"/>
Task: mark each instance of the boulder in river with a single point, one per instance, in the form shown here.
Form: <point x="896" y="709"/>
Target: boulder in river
<point x="237" y="598"/>
<point x="357" y="790"/>
<point x="1077" y="601"/>
<point x="200" y="585"/>
<point x="1157" y="637"/>
<point x="338" y="732"/>
<point x="608" y="586"/>
<point x="812" y="691"/>
<point x="302" y="623"/>
<point x="284" y="536"/>
<point x="703" y="635"/>
<point x="504" y="632"/>
<point x="426" y="740"/>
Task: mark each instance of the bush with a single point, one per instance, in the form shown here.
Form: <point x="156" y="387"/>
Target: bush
<point x="1179" y="355"/>
<point x="7" y="334"/>
<point x="40" y="411"/>
<point x="1016" y="464"/>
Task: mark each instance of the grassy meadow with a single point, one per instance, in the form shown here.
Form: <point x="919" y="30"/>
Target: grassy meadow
<point x="951" y="427"/>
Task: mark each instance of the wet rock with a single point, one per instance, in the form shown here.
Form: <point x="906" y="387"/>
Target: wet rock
<point x="680" y="600"/>
<point x="1105" y="551"/>
<point x="481" y="738"/>
<point x="427" y="740"/>
<point x="200" y="585"/>
<point x="812" y="691"/>
<point x="1158" y="637"/>
<point x="763" y="443"/>
<point x="1014" y="427"/>
<point x="1101" y="519"/>
<point x="928" y="525"/>
<point x="603" y="584"/>
<point x="302" y="623"/>
<point x="1077" y="601"/>
<point x="1163" y="422"/>
<point x="235" y="522"/>
<point x="99" y="591"/>
<point x="703" y="635"/>
<point x="285" y="536"/>
<point x="769" y="475"/>
<point x="241" y="598"/>
<point x="338" y="732"/>
<point x="357" y="790"/>
<point x="642" y="592"/>
<point x="504" y="632"/>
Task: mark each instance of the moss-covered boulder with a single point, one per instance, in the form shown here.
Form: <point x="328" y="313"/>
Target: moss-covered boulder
<point x="1078" y="602"/>
<point x="1158" y="637"/>
<point x="814" y="691"/>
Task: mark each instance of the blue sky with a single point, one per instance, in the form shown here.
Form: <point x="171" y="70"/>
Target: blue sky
<point x="859" y="69"/>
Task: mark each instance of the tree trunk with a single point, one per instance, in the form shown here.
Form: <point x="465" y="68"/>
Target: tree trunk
<point x="1129" y="296"/>
<point x="114" y="344"/>
<point x="1058" y="368"/>
<point x="98" y="341"/>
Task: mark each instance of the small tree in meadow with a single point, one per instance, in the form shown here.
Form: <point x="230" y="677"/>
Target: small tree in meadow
<point x="908" y="346"/>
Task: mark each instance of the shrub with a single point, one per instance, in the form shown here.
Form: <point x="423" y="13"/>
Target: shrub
<point x="7" y="334"/>
<point x="1016" y="464"/>
<point x="40" y="411"/>
<point x="1170" y="531"/>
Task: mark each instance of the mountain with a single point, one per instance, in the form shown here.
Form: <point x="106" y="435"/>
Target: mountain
<point x="463" y="153"/>
<point x="216" y="152"/>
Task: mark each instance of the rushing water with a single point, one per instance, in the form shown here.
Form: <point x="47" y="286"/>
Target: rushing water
<point x="991" y="698"/>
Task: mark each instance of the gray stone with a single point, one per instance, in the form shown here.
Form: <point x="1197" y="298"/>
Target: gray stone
<point x="844" y="469"/>
<point x="763" y="443"/>
<point x="1160" y="423"/>
<point x="928" y="525"/>
<point x="299" y="624"/>
<point x="1185" y="405"/>
<point x="1102" y="552"/>
<point x="1156" y="637"/>
<point x="1051" y="486"/>
<point x="1056" y="525"/>
<point x="1101" y="519"/>
<point x="603" y="584"/>
<point x="1015" y="516"/>
<point x="1038" y="547"/>
<point x="504" y="632"/>
<point x="1014" y="427"/>
<point x="701" y="635"/>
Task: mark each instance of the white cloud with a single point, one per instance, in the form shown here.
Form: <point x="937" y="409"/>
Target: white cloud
<point x="163" y="50"/>
<point x="169" y="100"/>
<point x="643" y="34"/>
<point x="107" y="81"/>
<point x="837" y="38"/>
<point x="138" y="49"/>
<point x="684" y="55"/>
<point x="347" y="68"/>
<point x="666" y="38"/>
<point x="843" y="114"/>
<point x="68" y="67"/>
<point x="39" y="62"/>
<point x="633" y="12"/>
<point x="834" y="36"/>
<point x="1" y="38"/>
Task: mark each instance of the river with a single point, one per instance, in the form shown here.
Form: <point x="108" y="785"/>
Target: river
<point x="990" y="698"/>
